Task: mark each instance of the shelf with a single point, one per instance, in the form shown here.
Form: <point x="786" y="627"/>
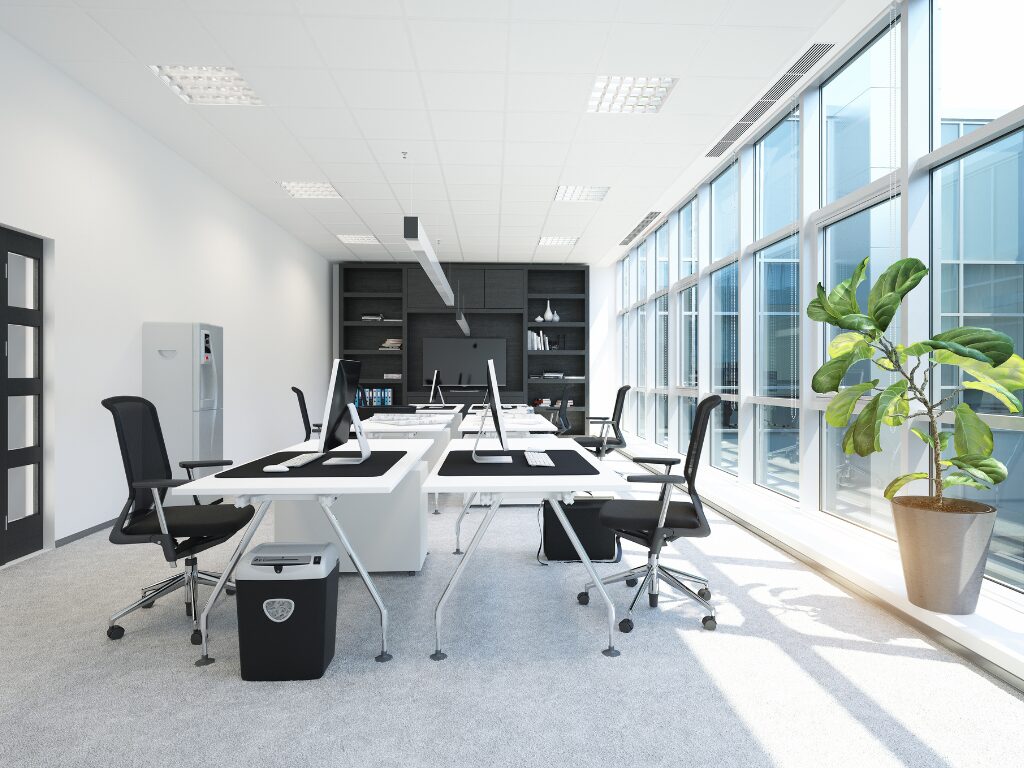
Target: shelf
<point x="372" y="352"/>
<point x="556" y="352"/>
<point x="389" y="382"/>
<point x="371" y="323"/>
<point x="554" y="296"/>
<point x="540" y="380"/>
<point x="535" y="324"/>
<point x="371" y="295"/>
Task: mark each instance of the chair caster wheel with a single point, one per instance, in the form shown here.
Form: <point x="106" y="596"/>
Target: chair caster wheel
<point x="709" y="623"/>
<point x="631" y="582"/>
<point x="652" y="600"/>
<point x="583" y="598"/>
<point x="704" y="593"/>
<point x="626" y="626"/>
<point x="147" y="605"/>
<point x="115" y="632"/>
<point x="197" y="637"/>
<point x="229" y="590"/>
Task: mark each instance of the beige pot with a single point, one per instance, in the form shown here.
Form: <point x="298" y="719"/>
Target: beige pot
<point x="943" y="552"/>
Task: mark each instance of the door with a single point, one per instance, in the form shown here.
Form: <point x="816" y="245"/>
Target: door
<point x="22" y="378"/>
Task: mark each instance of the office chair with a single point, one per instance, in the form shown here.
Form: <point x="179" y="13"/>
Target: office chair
<point x="655" y="523"/>
<point x="182" y="532"/>
<point x="562" y="416"/>
<point x="604" y="443"/>
<point x="310" y="428"/>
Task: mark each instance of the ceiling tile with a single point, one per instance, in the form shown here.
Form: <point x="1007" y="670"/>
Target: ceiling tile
<point x="472" y="174"/>
<point x="458" y="9"/>
<point x="300" y="87"/>
<point x="390" y="151"/>
<point x="463" y="91"/>
<point x="727" y="96"/>
<point x="459" y="46"/>
<point x="394" y="123"/>
<point x="353" y="43"/>
<point x="474" y="192"/>
<point x="62" y="34"/>
<point x="536" y="153"/>
<point x="676" y="12"/>
<point x="313" y="123"/>
<point x="161" y="36"/>
<point x="403" y="174"/>
<point x="262" y="40"/>
<point x="531" y="175"/>
<point x="338" y="150"/>
<point x="528" y="193"/>
<point x="787" y="13"/>
<point x="470" y="152"/>
<point x="476" y="206"/>
<point x="525" y="208"/>
<point x="376" y="89"/>
<point x="566" y="10"/>
<point x="549" y="92"/>
<point x="467" y="126"/>
<point x="750" y="52"/>
<point x="354" y="172"/>
<point x="653" y="49"/>
<point x="556" y="46"/>
<point x="389" y="8"/>
<point x="531" y="126"/>
<point x="358" y="191"/>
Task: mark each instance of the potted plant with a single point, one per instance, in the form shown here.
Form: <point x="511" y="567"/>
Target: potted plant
<point x="943" y="540"/>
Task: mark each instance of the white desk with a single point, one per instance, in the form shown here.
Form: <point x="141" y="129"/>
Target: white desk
<point x="516" y="422"/>
<point x="262" y="491"/>
<point x="500" y="487"/>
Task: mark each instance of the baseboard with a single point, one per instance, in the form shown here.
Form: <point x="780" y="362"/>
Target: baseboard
<point x="87" y="532"/>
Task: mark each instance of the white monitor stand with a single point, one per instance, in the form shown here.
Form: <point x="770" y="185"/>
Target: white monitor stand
<point x="504" y="456"/>
<point x="364" y="444"/>
<point x="435" y="386"/>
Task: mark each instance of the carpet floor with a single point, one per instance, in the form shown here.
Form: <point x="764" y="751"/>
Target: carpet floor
<point x="798" y="673"/>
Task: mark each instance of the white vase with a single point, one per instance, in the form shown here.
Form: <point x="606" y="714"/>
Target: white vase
<point x="547" y="313"/>
<point x="555" y="318"/>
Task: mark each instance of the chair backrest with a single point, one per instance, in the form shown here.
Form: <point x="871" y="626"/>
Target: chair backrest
<point x="303" y="412"/>
<point x="562" y="417"/>
<point x="620" y="402"/>
<point x="698" y="432"/>
<point x="142" y="448"/>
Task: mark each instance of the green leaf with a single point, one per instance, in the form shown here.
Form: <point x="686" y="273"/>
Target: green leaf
<point x="841" y="408"/>
<point x="856" y="322"/>
<point x="899" y="482"/>
<point x="971" y="435"/>
<point x="830" y="375"/>
<point x="865" y="439"/>
<point x="848" y="441"/>
<point x="995" y="346"/>
<point x="1009" y="375"/>
<point x="997" y="391"/>
<point x="983" y="468"/>
<point x="962" y="478"/>
<point x="889" y="408"/>
<point x="845" y="342"/>
<point x="923" y="436"/>
<point x="889" y="289"/>
<point x="898" y="412"/>
<point x="820" y="309"/>
<point x="843" y="297"/>
<point x="926" y="439"/>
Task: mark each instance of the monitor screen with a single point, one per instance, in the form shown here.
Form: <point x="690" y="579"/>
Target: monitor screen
<point x="463" y="362"/>
<point x="495" y="403"/>
<point x="337" y="421"/>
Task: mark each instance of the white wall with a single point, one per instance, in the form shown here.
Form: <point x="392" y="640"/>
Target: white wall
<point x="136" y="234"/>
<point x="604" y="371"/>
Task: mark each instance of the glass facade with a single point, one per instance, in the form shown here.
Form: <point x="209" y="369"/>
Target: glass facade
<point x="725" y="330"/>
<point x="725" y="213"/>
<point x="778" y="320"/>
<point x="778" y="177"/>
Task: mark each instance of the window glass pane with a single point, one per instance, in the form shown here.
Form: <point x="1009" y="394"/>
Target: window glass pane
<point x="688" y="239"/>
<point x="978" y="242"/>
<point x="641" y="414"/>
<point x="852" y="485"/>
<point x="686" y="407"/>
<point x="641" y="346"/>
<point x="661" y="257"/>
<point x="641" y="270"/>
<point x="875" y="233"/>
<point x="22" y="355"/>
<point x="22" y="496"/>
<point x="778" y="320"/>
<point x="778" y="449"/>
<point x="22" y="416"/>
<point x="724" y="330"/>
<point x="661" y="420"/>
<point x="623" y="286"/>
<point x="725" y="213"/>
<point x="778" y="176"/>
<point x="661" y="342"/>
<point x="631" y="276"/>
<point x="861" y="108"/>
<point x="973" y="41"/>
<point x="21" y="281"/>
<point x="725" y="437"/>
<point x="688" y="337"/>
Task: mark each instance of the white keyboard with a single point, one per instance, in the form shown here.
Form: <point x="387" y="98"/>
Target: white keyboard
<point x="295" y="461"/>
<point x="538" y="459"/>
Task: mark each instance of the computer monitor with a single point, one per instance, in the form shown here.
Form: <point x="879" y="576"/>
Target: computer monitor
<point x="340" y="414"/>
<point x="503" y="456"/>
<point x="435" y="387"/>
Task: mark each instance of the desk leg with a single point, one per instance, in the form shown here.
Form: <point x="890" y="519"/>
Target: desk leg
<point x="384" y="655"/>
<point x="437" y="655"/>
<point x="458" y="522"/>
<point x="585" y="559"/>
<point x="204" y="620"/>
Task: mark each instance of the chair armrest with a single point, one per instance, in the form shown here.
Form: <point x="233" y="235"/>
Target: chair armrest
<point x="155" y="484"/>
<point x="598" y="419"/>
<point x="668" y="462"/>
<point x="205" y="463"/>
<point x="661" y="479"/>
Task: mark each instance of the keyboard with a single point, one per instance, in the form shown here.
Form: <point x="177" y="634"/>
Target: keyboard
<point x="295" y="461"/>
<point x="538" y="459"/>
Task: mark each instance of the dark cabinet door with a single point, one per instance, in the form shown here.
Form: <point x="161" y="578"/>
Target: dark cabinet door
<point x="420" y="292"/>
<point x="468" y="285"/>
<point x="504" y="289"/>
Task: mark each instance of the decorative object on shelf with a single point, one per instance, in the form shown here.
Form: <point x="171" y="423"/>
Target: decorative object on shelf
<point x="539" y="319"/>
<point x="555" y="318"/>
<point x="943" y="540"/>
<point x="548" y="314"/>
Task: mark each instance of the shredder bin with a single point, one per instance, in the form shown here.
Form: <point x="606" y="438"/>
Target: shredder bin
<point x="287" y="598"/>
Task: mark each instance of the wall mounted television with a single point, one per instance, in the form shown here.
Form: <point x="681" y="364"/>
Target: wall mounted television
<point x="462" y="362"/>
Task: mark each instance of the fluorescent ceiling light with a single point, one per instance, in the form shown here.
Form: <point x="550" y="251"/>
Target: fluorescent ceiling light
<point x="418" y="242"/>
<point x="209" y="86"/>
<point x="359" y="239"/>
<point x="629" y="95"/>
<point x="550" y="240"/>
<point x="581" y="194"/>
<point x="310" y="190"/>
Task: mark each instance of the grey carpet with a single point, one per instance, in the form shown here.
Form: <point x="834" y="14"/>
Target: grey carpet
<point x="799" y="673"/>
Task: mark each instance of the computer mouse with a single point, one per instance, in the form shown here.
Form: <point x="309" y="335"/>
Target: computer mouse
<point x="275" y="468"/>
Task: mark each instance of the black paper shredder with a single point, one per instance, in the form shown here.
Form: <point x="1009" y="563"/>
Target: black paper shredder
<point x="287" y="598"/>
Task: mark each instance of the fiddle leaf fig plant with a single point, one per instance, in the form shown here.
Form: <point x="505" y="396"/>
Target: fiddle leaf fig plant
<point x="984" y="356"/>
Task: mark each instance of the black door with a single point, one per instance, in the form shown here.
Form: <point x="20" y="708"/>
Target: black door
<point x="22" y="381"/>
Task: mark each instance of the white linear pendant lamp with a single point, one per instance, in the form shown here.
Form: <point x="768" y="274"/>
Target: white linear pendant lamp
<point x="419" y="244"/>
<point x="460" y="318"/>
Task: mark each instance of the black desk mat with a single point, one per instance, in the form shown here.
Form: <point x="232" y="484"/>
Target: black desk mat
<point x="460" y="463"/>
<point x="378" y="464"/>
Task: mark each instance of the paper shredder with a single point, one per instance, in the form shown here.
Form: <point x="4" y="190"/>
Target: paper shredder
<point x="287" y="598"/>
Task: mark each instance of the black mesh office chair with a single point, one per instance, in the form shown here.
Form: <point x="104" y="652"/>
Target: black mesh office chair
<point x="310" y="428"/>
<point x="604" y="443"/>
<point x="182" y="532"/>
<point x="653" y="524"/>
<point x="562" y="415"/>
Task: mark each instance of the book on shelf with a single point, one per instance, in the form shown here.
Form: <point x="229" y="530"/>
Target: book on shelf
<point x="391" y="319"/>
<point x="372" y="318"/>
<point x="575" y="378"/>
<point x="393" y="376"/>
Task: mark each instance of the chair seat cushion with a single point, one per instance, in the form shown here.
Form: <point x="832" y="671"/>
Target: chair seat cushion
<point x="593" y="441"/>
<point x="205" y="521"/>
<point x="632" y="515"/>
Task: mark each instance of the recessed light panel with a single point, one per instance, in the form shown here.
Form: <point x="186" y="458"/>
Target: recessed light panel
<point x="310" y="190"/>
<point x="555" y="241"/>
<point x="581" y="194"/>
<point x="624" y="94"/>
<point x="209" y="86"/>
<point x="359" y="239"/>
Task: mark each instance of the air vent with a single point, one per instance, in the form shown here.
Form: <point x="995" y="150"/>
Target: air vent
<point x="644" y="223"/>
<point x="782" y="86"/>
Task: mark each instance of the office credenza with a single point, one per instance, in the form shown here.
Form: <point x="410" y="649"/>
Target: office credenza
<point x="499" y="300"/>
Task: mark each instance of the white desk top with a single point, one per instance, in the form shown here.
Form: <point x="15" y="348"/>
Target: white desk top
<point x="504" y="407"/>
<point x="606" y="480"/>
<point x="280" y="485"/>
<point x="373" y="426"/>
<point x="450" y="408"/>
<point x="514" y="422"/>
